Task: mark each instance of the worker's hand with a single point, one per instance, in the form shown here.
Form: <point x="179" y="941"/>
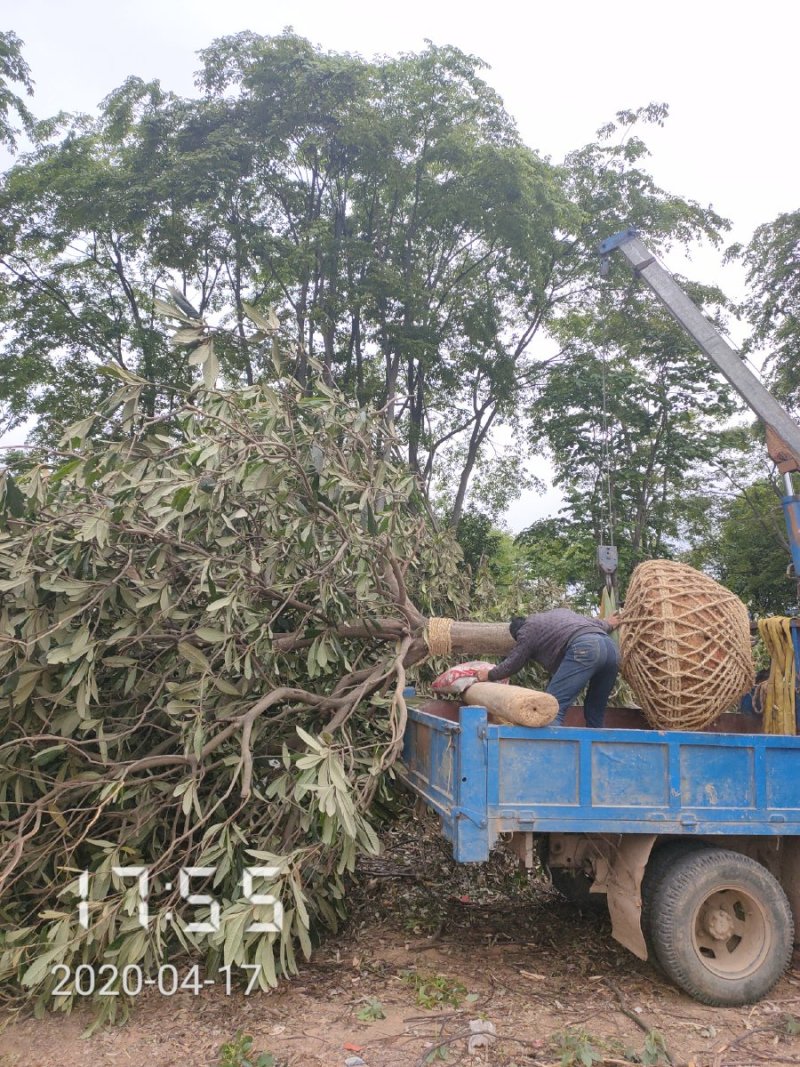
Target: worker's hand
<point x="482" y="674"/>
<point x="613" y="620"/>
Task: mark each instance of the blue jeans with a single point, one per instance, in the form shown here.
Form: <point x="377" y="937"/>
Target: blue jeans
<point x="590" y="659"/>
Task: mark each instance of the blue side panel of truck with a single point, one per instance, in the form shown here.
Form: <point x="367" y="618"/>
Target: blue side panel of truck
<point x="484" y="779"/>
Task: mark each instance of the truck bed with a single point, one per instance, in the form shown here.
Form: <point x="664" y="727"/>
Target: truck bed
<point x="485" y="779"/>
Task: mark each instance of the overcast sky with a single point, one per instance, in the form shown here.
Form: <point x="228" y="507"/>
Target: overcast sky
<point x="728" y="70"/>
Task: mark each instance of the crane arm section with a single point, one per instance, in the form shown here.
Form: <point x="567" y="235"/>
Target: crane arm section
<point x="710" y="341"/>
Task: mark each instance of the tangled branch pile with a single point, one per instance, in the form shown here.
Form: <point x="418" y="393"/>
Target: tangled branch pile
<point x="147" y="716"/>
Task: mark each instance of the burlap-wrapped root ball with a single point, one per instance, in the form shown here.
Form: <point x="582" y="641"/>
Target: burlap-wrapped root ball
<point x="685" y="645"/>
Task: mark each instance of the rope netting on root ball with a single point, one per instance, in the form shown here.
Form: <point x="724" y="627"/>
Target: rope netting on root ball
<point x="685" y="645"/>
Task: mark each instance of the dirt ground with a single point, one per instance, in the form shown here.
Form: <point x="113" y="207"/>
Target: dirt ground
<point x="430" y="948"/>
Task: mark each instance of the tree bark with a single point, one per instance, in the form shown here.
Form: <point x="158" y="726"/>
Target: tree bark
<point x="481" y="638"/>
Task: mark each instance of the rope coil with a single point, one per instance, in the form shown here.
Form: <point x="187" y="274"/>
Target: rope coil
<point x="437" y="637"/>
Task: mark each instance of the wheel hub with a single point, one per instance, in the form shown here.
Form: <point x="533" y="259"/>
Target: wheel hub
<point x="731" y="933"/>
<point x="719" y="924"/>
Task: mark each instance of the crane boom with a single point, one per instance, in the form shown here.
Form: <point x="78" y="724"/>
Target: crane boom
<point x="706" y="336"/>
<point x="783" y="433"/>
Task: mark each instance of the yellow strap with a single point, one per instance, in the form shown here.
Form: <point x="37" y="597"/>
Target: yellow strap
<point x="779" y="706"/>
<point x="608" y="606"/>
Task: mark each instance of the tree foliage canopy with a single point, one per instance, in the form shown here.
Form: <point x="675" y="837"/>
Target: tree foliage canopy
<point x="388" y="210"/>
<point x="772" y="261"/>
<point x="13" y="69"/>
<point x="747" y="549"/>
<point x="148" y="715"/>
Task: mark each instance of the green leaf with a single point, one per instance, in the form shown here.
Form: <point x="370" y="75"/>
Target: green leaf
<point x="220" y="603"/>
<point x="65" y="470"/>
<point x="188" y="797"/>
<point x="211" y="369"/>
<point x="25" y="686"/>
<point x="181" y="497"/>
<point x="305" y="763"/>
<point x="205" y="356"/>
<point x="12" y="499"/>
<point x="208" y="633"/>
<point x="201" y="353"/>
<point x="265" y="956"/>
<point x="75" y="650"/>
<point x="194" y="656"/>
<point x="307" y="739"/>
<point x="169" y="310"/>
<point x="40" y="968"/>
<point x="45" y="754"/>
<point x="269" y="323"/>
<point x="189" y="336"/>
<point x="75" y="434"/>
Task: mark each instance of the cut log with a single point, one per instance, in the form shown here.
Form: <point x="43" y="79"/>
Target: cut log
<point x="513" y="703"/>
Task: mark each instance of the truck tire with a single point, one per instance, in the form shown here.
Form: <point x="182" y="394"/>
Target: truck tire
<point x="721" y="927"/>
<point x="661" y="858"/>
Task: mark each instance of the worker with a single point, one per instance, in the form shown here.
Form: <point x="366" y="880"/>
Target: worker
<point x="576" y="650"/>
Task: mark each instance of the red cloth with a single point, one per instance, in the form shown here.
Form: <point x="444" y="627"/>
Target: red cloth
<point x="460" y="677"/>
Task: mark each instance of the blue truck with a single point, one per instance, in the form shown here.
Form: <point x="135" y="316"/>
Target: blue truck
<point x="692" y="838"/>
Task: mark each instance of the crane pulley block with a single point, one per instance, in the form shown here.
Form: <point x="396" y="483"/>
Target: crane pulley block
<point x="608" y="559"/>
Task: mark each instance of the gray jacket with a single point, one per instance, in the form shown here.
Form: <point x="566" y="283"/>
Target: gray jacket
<point x="544" y="638"/>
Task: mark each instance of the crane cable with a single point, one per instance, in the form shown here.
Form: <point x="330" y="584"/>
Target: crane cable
<point x="607" y="462"/>
<point x="608" y="597"/>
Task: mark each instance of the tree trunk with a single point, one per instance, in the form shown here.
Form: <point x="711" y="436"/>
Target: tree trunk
<point x="481" y="638"/>
<point x="469" y="639"/>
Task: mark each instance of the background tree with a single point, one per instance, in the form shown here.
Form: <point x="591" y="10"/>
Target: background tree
<point x="629" y="411"/>
<point x="750" y="548"/>
<point x="633" y="420"/>
<point x="754" y="551"/>
<point x="561" y="551"/>
<point x="746" y="548"/>
<point x="13" y="69"/>
<point x="77" y="286"/>
<point x="772" y="307"/>
<point x="387" y="211"/>
<point x="502" y="577"/>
